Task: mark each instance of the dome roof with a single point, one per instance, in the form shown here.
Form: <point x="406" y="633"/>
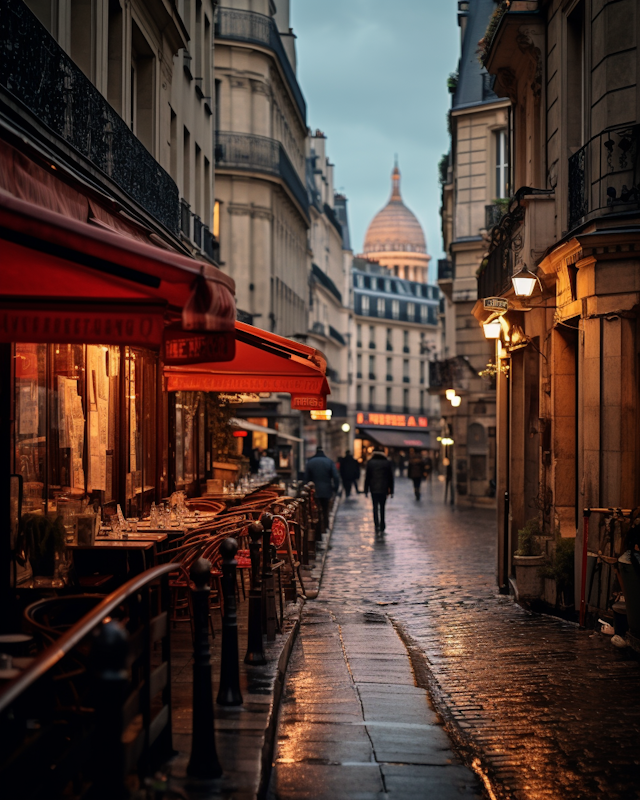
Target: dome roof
<point x="395" y="228"/>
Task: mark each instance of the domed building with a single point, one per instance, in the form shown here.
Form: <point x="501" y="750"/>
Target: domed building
<point x="395" y="238"/>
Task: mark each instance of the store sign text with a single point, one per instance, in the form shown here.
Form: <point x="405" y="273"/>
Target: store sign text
<point x="391" y="420"/>
<point x="181" y="347"/>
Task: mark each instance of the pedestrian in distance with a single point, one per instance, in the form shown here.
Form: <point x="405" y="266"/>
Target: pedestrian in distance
<point x="379" y="481"/>
<point x="416" y="471"/>
<point x="349" y="472"/>
<point x="322" y="471"/>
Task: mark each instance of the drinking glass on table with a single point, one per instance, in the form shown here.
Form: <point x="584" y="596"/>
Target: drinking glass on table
<point x="132" y="522"/>
<point x="116" y="530"/>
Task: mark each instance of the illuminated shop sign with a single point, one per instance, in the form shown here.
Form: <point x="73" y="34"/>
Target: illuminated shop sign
<point x="391" y="420"/>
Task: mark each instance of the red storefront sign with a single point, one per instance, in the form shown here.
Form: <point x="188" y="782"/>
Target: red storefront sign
<point x="391" y="420"/>
<point x="181" y="347"/>
<point x="317" y="402"/>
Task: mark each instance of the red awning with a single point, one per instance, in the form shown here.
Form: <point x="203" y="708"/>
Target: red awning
<point x="264" y="362"/>
<point x="71" y="281"/>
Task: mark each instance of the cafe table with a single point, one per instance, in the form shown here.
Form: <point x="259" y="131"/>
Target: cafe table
<point x="139" y="553"/>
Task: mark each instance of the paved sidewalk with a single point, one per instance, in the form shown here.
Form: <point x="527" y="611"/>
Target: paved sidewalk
<point x="547" y="710"/>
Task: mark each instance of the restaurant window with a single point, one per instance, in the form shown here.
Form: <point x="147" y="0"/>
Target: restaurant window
<point x="141" y="429"/>
<point x="187" y="438"/>
<point x="30" y="423"/>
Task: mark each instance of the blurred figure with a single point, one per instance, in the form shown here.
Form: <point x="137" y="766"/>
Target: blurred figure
<point x="379" y="480"/>
<point x="428" y="467"/>
<point x="416" y="471"/>
<point x="322" y="471"/>
<point x="349" y="472"/>
<point x="267" y="464"/>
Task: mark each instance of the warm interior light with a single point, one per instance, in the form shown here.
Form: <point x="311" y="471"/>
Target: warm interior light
<point x="446" y="441"/>
<point x="455" y="401"/>
<point x="492" y="329"/>
<point x="450" y="393"/>
<point x="523" y="282"/>
<point x="325" y="415"/>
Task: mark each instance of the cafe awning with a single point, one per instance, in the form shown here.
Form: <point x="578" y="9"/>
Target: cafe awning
<point x="71" y="281"/>
<point x="264" y="362"/>
<point x="396" y="438"/>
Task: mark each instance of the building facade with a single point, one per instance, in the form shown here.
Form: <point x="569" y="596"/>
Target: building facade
<point x="474" y="183"/>
<point x="395" y="319"/>
<point x="568" y="392"/>
<point x="261" y="202"/>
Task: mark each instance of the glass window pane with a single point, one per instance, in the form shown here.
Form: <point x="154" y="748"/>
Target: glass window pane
<point x="30" y="423"/>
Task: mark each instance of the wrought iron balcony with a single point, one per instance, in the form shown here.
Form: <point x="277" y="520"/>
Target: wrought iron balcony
<point x="603" y="174"/>
<point x="243" y="151"/>
<point x="247" y="26"/>
<point x="318" y="328"/>
<point x="497" y="268"/>
<point x="335" y="334"/>
<point x="493" y="213"/>
<point x="38" y="73"/>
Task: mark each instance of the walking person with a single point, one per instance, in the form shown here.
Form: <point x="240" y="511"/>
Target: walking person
<point x="349" y="472"/>
<point x="416" y="471"/>
<point x="322" y="471"/>
<point x="379" y="480"/>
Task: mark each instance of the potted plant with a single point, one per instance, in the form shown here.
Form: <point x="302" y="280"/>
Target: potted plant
<point x="560" y="571"/>
<point x="39" y="539"/>
<point x="527" y="560"/>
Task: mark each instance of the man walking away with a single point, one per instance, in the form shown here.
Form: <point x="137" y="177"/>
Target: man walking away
<point x="415" y="471"/>
<point x="379" y="480"/>
<point x="349" y="472"/>
<point x="322" y="471"/>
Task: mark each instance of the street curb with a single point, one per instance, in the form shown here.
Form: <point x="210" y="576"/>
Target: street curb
<point x="271" y="730"/>
<point x="319" y="570"/>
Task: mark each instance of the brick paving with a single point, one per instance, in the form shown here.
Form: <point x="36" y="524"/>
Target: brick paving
<point x="546" y="710"/>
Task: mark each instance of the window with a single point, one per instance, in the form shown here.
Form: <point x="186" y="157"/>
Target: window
<point x="364" y="304"/>
<point x="389" y="372"/>
<point x="405" y="401"/>
<point x="502" y="164"/>
<point x="359" y="364"/>
<point x="381" y="306"/>
<point x="216" y="220"/>
<point x="422" y="401"/>
<point x="395" y="309"/>
<point x="387" y="285"/>
<point x="411" y="311"/>
<point x="359" y="395"/>
<point x="405" y="369"/>
<point x="360" y="281"/>
<point x="418" y="289"/>
<point x="424" y="313"/>
<point x="372" y="368"/>
<point x="388" y="398"/>
<point x="389" y="339"/>
<point x="143" y="90"/>
<point x="359" y="335"/>
<point x="405" y="341"/>
<point x="374" y="283"/>
<point x="372" y="337"/>
<point x="372" y="397"/>
<point x="421" y="371"/>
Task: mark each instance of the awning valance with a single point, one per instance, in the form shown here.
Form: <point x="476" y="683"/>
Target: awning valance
<point x="263" y="362"/>
<point x="64" y="280"/>
<point x="244" y="425"/>
<point x="388" y="438"/>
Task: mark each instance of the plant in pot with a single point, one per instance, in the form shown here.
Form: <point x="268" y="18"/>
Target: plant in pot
<point x="39" y="539"/>
<point x="560" y="570"/>
<point x="527" y="560"/>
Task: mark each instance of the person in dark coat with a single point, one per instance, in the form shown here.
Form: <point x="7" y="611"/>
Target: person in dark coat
<point x="349" y="472"/>
<point x="379" y="480"/>
<point x="416" y="471"/>
<point x="322" y="471"/>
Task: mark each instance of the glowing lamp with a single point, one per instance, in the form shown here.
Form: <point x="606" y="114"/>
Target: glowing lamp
<point x="524" y="282"/>
<point x="450" y="393"/>
<point x="492" y="329"/>
<point x="447" y="440"/>
<point x="346" y="427"/>
<point x="240" y="434"/>
<point x="455" y="401"/>
<point x="316" y="414"/>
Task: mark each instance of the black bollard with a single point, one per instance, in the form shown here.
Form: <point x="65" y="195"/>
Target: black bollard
<point x="109" y="655"/>
<point x="229" y="693"/>
<point x="306" y="525"/>
<point x="268" y="594"/>
<point x="255" y="651"/>
<point x="203" y="763"/>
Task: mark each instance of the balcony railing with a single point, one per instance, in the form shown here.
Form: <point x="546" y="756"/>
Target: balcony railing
<point x="497" y="268"/>
<point x="326" y="281"/>
<point x="603" y="175"/>
<point x="318" y="328"/>
<point x="243" y="151"/>
<point x="493" y="213"/>
<point x="247" y="26"/>
<point x="336" y="335"/>
<point x="37" y="71"/>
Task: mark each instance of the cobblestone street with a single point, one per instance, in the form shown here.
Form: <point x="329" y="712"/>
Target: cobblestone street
<point x="542" y="708"/>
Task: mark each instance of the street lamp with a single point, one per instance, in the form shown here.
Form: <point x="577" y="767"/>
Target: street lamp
<point x="450" y="393"/>
<point x="492" y="329"/>
<point x="524" y="282"/>
<point x="346" y="427"/>
<point x="455" y="401"/>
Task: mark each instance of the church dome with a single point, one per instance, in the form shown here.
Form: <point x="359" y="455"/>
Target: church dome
<point x="395" y="228"/>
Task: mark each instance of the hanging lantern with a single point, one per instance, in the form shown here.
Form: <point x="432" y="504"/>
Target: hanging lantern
<point x="524" y="282"/>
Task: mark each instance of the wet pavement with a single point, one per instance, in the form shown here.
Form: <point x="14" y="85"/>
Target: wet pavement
<point x="537" y="706"/>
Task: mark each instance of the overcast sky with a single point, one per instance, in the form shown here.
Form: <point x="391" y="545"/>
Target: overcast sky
<point x="374" y="75"/>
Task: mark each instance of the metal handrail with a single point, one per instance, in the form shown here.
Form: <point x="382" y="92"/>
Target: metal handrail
<point x="63" y="646"/>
